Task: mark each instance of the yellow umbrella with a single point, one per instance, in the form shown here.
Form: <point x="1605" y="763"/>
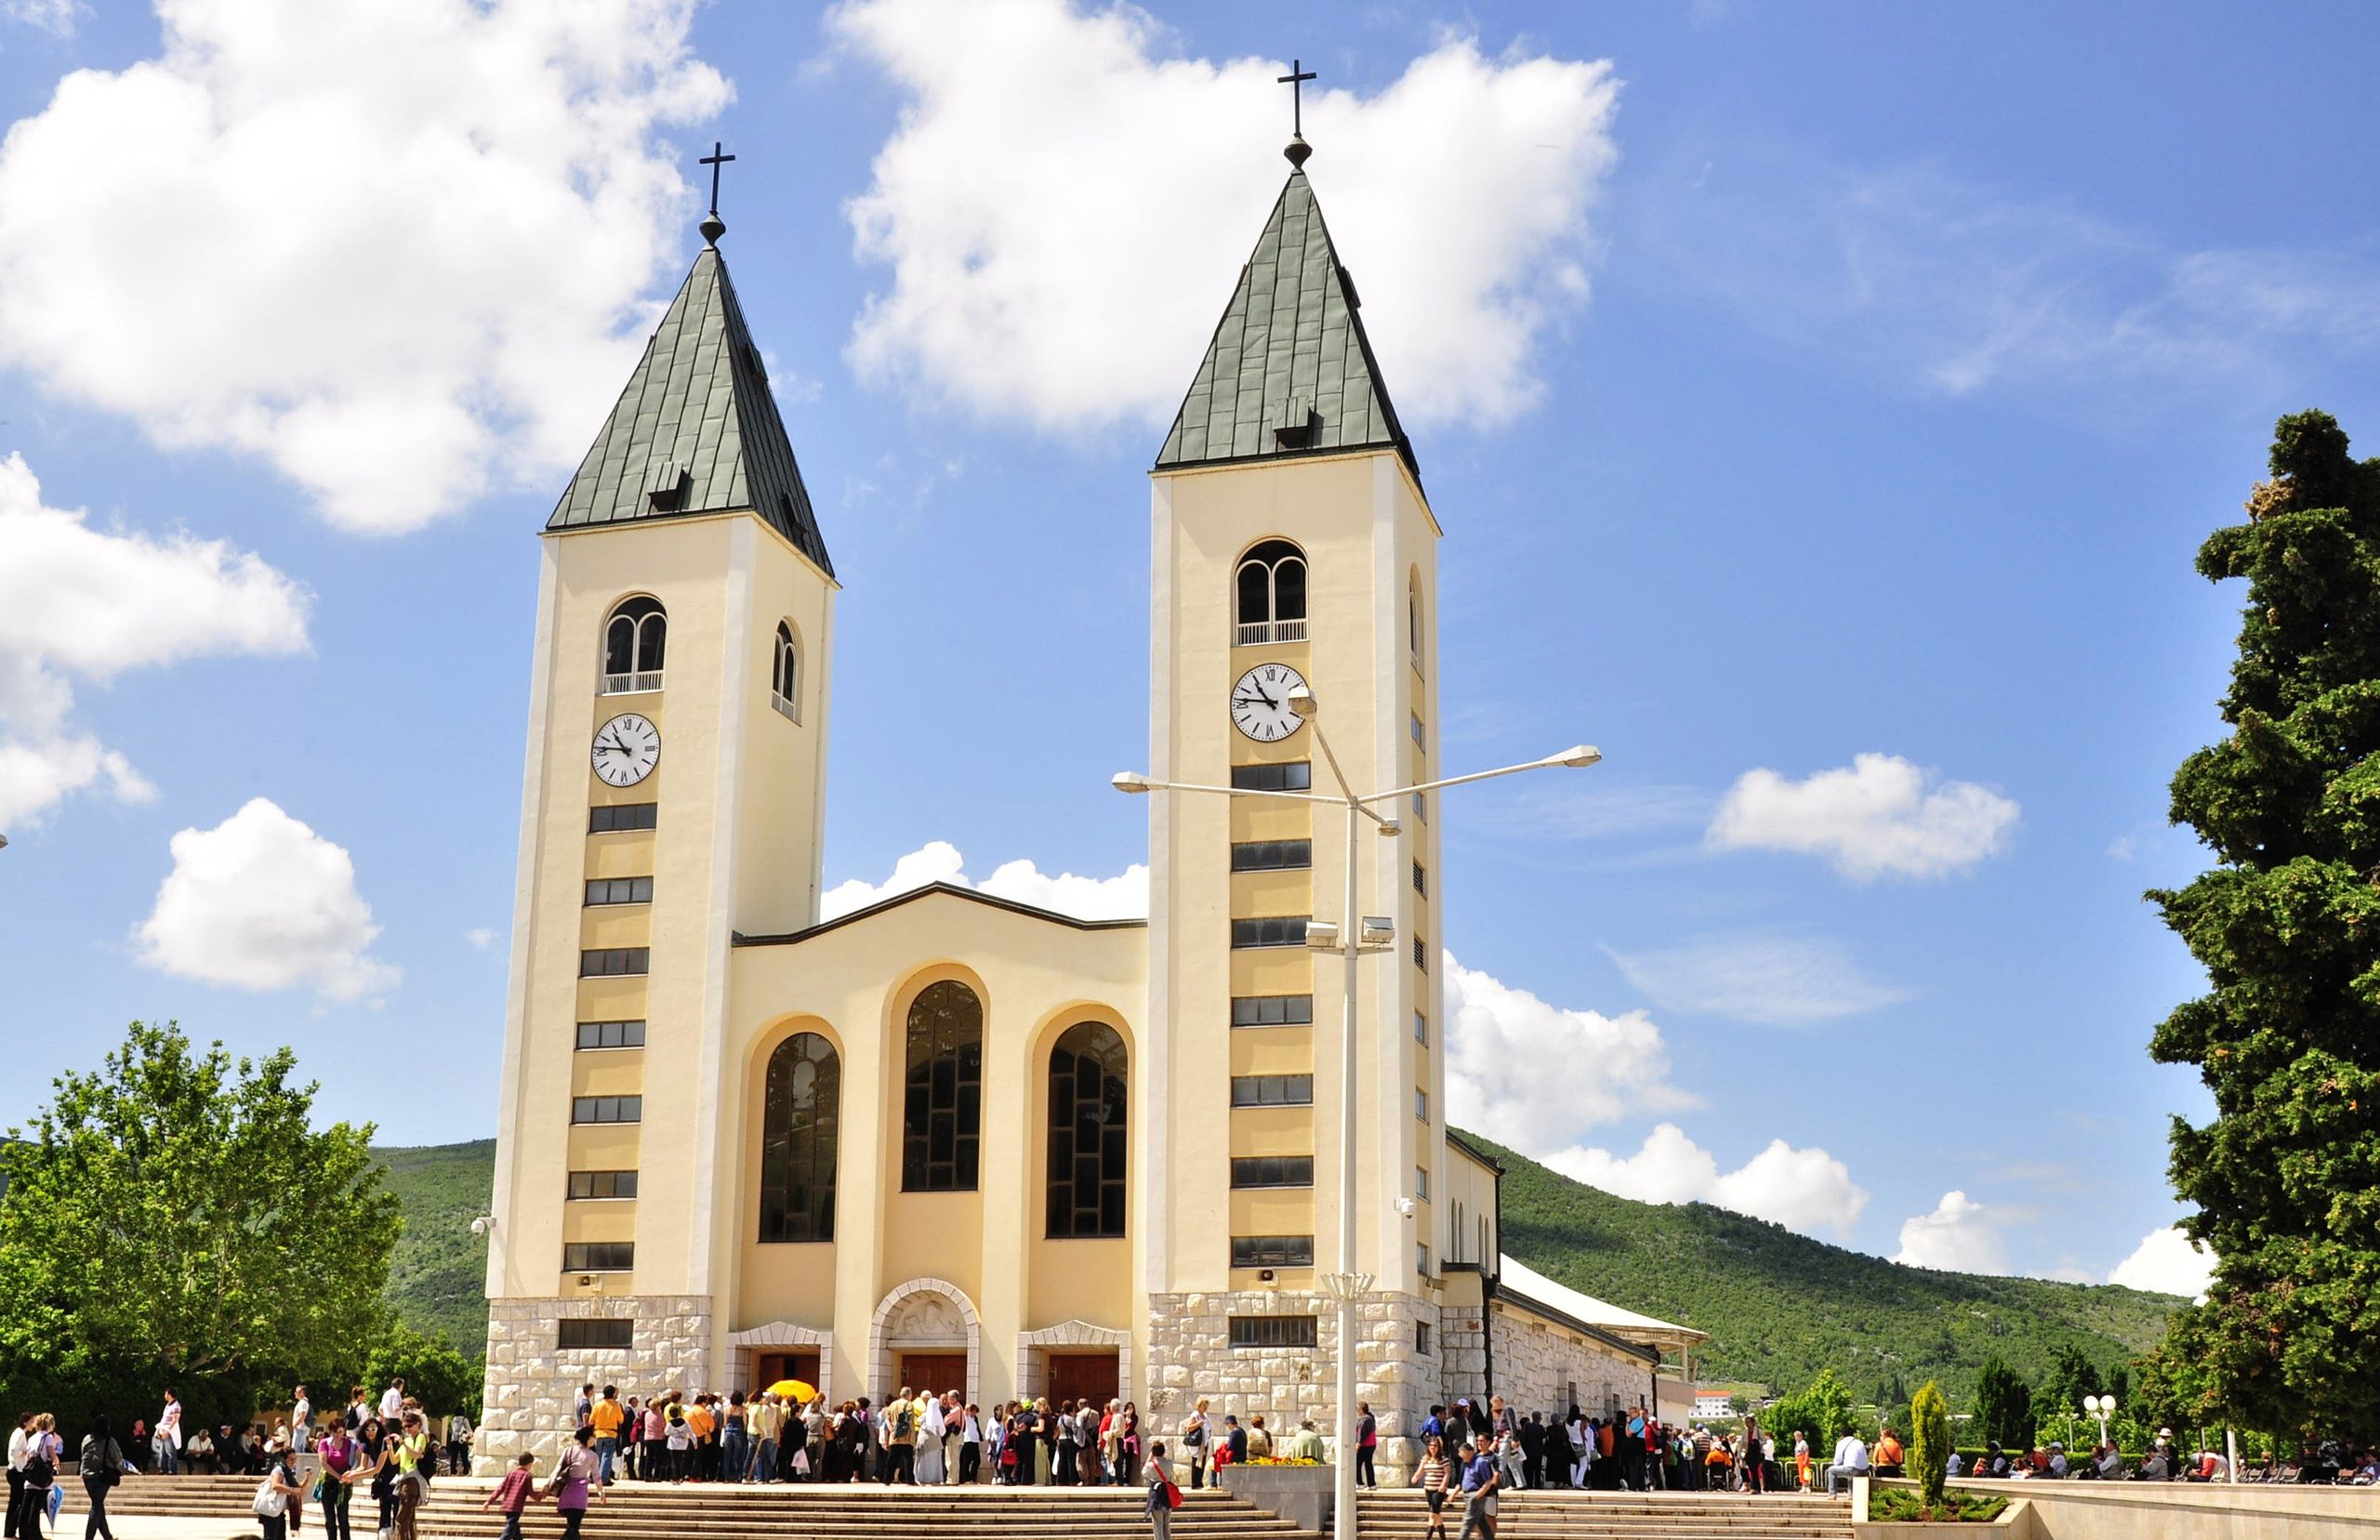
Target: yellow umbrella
<point x="802" y="1392"/>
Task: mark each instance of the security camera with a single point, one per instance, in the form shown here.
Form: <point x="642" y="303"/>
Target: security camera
<point x="1405" y="1206"/>
<point x="482" y="1225"/>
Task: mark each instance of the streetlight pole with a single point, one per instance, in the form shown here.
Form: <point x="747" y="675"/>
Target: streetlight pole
<point x="1351" y="938"/>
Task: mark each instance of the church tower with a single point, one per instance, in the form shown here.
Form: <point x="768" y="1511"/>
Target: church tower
<point x="1292" y="544"/>
<point x="674" y="795"/>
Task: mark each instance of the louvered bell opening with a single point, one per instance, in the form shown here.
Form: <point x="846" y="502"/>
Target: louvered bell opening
<point x="666" y="492"/>
<point x="1294" y="422"/>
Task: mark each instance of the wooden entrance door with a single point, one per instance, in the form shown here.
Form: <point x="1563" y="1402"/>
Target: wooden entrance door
<point x="1084" y="1376"/>
<point x="801" y="1364"/>
<point x="933" y="1372"/>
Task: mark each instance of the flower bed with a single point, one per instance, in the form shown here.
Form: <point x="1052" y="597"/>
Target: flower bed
<point x="1897" y="1506"/>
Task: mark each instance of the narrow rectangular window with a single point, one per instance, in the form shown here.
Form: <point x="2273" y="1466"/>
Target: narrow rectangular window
<point x="613" y="961"/>
<point x="1271" y="1090"/>
<point x="1272" y="855"/>
<point x="1421" y="879"/>
<point x="1272" y="1171"/>
<point x="1272" y="1251"/>
<point x="584" y="1185"/>
<point x="610" y="1034"/>
<point x="1422" y="1182"/>
<point x="1295" y="775"/>
<point x="1421" y="954"/>
<point x="1416" y="733"/>
<point x="1421" y="1329"/>
<point x="1421" y="1104"/>
<point x="604" y="890"/>
<point x="1275" y="1331"/>
<point x="1272" y="1011"/>
<point x="586" y="1331"/>
<point x="1422" y="806"/>
<point x="622" y="817"/>
<point x="1420" y="1028"/>
<point x="599" y="1257"/>
<point x="607" y="1109"/>
<point x="1270" y="931"/>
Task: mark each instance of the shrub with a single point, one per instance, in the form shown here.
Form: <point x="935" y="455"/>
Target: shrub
<point x="1896" y="1506"/>
<point x="1929" y="1441"/>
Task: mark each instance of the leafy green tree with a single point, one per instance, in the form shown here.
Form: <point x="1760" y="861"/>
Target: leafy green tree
<point x="1929" y="1441"/>
<point x="2287" y="924"/>
<point x="2004" y="1405"/>
<point x="175" y="1218"/>
<point x="1823" y="1411"/>
<point x="435" y="1373"/>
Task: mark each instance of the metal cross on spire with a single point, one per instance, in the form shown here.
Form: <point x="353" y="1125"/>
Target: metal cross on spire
<point x="1298" y="150"/>
<point x="713" y="227"/>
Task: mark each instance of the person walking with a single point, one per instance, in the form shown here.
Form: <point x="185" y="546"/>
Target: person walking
<point x="1194" y="1439"/>
<point x="279" y="1492"/>
<point x="512" y="1495"/>
<point x="1367" y="1446"/>
<point x="169" y="1438"/>
<point x="337" y="1453"/>
<point x="393" y="1401"/>
<point x="1164" y="1497"/>
<point x="576" y="1474"/>
<point x="1434" y="1475"/>
<point x="1480" y="1476"/>
<point x="101" y="1466"/>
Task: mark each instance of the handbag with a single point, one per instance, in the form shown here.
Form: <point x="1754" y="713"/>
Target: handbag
<point x="1172" y="1495"/>
<point x="270" y="1502"/>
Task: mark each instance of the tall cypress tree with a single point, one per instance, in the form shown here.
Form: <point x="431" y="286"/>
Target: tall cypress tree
<point x="2286" y="1179"/>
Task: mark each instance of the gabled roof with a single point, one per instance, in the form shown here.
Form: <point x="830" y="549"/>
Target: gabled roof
<point x="1290" y="371"/>
<point x="696" y="431"/>
<point x="948" y="890"/>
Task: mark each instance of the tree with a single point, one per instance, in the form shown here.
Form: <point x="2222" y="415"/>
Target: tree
<point x="175" y="1218"/>
<point x="2004" y="1405"/>
<point x="1929" y="1441"/>
<point x="435" y="1372"/>
<point x="1823" y="1411"/>
<point x="2287" y="925"/>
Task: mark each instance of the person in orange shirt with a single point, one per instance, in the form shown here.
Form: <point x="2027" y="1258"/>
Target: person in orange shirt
<point x="699" y="1423"/>
<point x="1888" y="1454"/>
<point x="607" y="1417"/>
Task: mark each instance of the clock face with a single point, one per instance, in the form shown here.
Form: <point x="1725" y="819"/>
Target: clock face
<point x="627" y="748"/>
<point x="1260" y="702"/>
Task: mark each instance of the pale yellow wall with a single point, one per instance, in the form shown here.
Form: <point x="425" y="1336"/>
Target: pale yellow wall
<point x="1036" y="976"/>
<point x="1365" y="533"/>
<point x="1468" y="1186"/>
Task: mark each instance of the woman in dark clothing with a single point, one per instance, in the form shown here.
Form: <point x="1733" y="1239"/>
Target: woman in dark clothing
<point x="101" y="1466"/>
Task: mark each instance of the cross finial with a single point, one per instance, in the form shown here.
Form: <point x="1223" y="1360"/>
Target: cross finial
<point x="1295" y="80"/>
<point x="713" y="227"/>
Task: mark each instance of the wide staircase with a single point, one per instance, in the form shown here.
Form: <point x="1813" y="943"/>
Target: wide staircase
<point x="1561" y="1514"/>
<point x="632" y="1510"/>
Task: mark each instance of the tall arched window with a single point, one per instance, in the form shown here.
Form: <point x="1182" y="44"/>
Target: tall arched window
<point x="1413" y="621"/>
<point x="1272" y="594"/>
<point x="1087" y="1144"/>
<point x="634" y="639"/>
<point x="942" y="1120"/>
<point x="800" y="1120"/>
<point x="784" y="674"/>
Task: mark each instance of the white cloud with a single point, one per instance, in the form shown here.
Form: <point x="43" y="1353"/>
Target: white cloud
<point x="396" y="250"/>
<point x="482" y="937"/>
<point x="2166" y="1262"/>
<point x="1065" y="204"/>
<point x="1124" y="896"/>
<point x="1499" y="1041"/>
<point x="261" y="902"/>
<point x="1805" y="1189"/>
<point x="49" y="15"/>
<point x="79" y="604"/>
<point x="1776" y="980"/>
<point x="1961" y="1235"/>
<point x="1880" y="816"/>
<point x="1962" y="289"/>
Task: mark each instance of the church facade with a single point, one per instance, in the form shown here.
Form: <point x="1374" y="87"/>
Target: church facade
<point x="953" y="1142"/>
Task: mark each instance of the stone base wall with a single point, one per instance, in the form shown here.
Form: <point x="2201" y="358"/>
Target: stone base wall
<point x="1191" y="1355"/>
<point x="1538" y="1369"/>
<point x="1463" y="1354"/>
<point x="533" y="1382"/>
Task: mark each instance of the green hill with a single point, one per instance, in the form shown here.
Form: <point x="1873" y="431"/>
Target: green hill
<point x="1778" y="1306"/>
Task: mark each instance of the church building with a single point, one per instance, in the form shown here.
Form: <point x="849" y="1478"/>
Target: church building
<point x="952" y="1141"/>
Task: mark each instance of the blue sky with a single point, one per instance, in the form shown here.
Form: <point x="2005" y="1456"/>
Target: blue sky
<point x="1802" y="385"/>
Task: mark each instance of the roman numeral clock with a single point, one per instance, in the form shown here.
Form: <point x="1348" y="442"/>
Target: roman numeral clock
<point x="1260" y="702"/>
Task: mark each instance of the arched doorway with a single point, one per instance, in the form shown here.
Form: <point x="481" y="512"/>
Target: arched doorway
<point x="926" y="1335"/>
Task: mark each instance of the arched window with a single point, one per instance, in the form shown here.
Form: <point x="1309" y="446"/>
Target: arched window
<point x="1272" y="594"/>
<point x="633" y="642"/>
<point x="800" y="1119"/>
<point x="784" y="674"/>
<point x="942" y="1120"/>
<point x="1413" y="621"/>
<point x="1087" y="1145"/>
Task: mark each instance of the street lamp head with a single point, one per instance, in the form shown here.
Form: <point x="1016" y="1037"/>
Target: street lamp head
<point x="1577" y="756"/>
<point x="1390" y="828"/>
<point x="1130" y="782"/>
<point x="1302" y="701"/>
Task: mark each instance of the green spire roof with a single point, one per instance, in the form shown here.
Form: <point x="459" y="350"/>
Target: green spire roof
<point x="696" y="431"/>
<point x="1290" y="371"/>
